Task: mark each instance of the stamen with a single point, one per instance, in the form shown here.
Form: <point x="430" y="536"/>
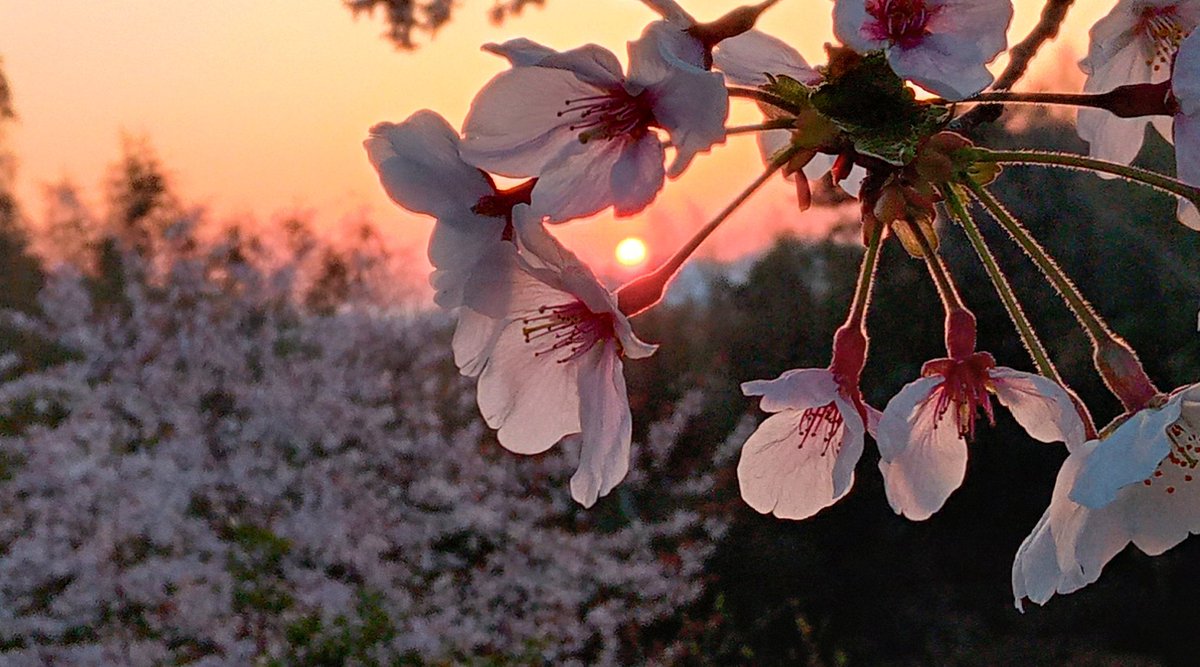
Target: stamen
<point x="607" y="116"/>
<point x="901" y="22"/>
<point x="569" y="329"/>
<point x="1163" y="30"/>
<point x="1184" y="455"/>
<point x="967" y="389"/>
<point x="824" y="424"/>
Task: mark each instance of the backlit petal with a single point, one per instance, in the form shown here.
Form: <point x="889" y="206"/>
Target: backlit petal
<point x="1129" y="455"/>
<point x="606" y="425"/>
<point x="1040" y="406"/>
<point x="924" y="459"/>
<point x="748" y="58"/>
<point x="796" y="389"/>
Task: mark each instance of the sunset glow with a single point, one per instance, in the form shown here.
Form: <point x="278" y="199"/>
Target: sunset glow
<point x="631" y="251"/>
<point x="268" y="108"/>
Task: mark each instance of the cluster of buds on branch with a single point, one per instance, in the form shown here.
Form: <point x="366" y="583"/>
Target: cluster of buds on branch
<point x="547" y="340"/>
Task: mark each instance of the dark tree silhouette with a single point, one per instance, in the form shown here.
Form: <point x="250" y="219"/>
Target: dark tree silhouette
<point x="406" y="18"/>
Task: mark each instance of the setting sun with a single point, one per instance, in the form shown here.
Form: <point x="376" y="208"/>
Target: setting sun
<point x="631" y="251"/>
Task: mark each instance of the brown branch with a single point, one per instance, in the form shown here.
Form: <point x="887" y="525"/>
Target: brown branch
<point x="1019" y="57"/>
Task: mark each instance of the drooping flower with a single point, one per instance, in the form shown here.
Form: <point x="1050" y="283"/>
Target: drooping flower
<point x="751" y="59"/>
<point x="1136" y="484"/>
<point x="940" y="45"/>
<point x="924" y="429"/>
<point x="586" y="130"/>
<point x="801" y="459"/>
<point x="546" y="339"/>
<point x="1185" y="86"/>
<point x="1133" y="43"/>
<point x="420" y="168"/>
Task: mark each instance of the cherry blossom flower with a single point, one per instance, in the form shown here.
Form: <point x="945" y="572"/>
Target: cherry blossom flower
<point x="924" y="429"/>
<point x="420" y="168"/>
<point x="586" y="130"/>
<point x="750" y="59"/>
<point x="1185" y="86"/>
<point x="940" y="45"/>
<point x="546" y="339"/>
<point x="1133" y="43"/>
<point x="801" y="459"/>
<point x="1136" y="484"/>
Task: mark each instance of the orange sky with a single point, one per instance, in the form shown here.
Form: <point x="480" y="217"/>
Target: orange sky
<point x="259" y="108"/>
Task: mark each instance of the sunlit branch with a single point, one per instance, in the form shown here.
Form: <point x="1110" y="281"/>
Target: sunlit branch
<point x="642" y="293"/>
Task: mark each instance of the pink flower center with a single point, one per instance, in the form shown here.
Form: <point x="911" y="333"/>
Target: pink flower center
<point x="901" y="22"/>
<point x="966" y="390"/>
<point x="822" y="426"/>
<point x="1162" y="30"/>
<point x="608" y="116"/>
<point x="568" y="330"/>
<point x="1181" y="462"/>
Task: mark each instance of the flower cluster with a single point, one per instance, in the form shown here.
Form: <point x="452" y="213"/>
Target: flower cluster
<point x="547" y="340"/>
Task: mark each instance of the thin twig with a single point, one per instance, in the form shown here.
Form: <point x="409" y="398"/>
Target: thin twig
<point x="1019" y="57"/>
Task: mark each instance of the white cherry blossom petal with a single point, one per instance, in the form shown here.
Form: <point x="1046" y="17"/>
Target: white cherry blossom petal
<point x="1070" y="544"/>
<point x="923" y="457"/>
<point x="984" y="22"/>
<point x="514" y="127"/>
<point x="521" y="52"/>
<point x="779" y="477"/>
<point x="475" y="337"/>
<point x="420" y="168"/>
<point x="671" y="11"/>
<point x="580" y="181"/>
<point x="606" y="425"/>
<point x="636" y="176"/>
<point x="662" y="51"/>
<point x="946" y="65"/>
<point x="1042" y="407"/>
<point x="801" y="459"/>
<point x="748" y="58"/>
<point x="1129" y="455"/>
<point x="532" y="400"/>
<point x="796" y="389"/>
<point x="849" y="19"/>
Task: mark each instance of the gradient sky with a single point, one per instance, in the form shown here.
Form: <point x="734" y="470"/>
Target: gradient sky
<point x="260" y="108"/>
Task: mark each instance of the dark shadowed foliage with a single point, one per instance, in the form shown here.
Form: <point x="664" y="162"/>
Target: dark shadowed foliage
<point x="860" y="585"/>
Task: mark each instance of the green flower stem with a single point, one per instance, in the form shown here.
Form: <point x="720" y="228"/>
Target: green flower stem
<point x="1116" y="362"/>
<point x="1096" y="329"/>
<point x="637" y="296"/>
<point x="1033" y="344"/>
<point x="779" y="124"/>
<point x="866" y="278"/>
<point x="937" y="271"/>
<point x="764" y="97"/>
<point x="1082" y="162"/>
